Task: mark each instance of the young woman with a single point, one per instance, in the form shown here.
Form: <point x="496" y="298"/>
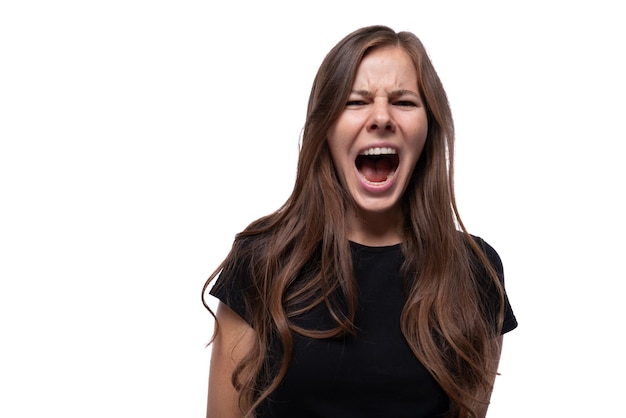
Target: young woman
<point x="363" y="295"/>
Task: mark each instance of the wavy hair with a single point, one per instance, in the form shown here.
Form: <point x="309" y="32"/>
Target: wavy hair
<point x="443" y="320"/>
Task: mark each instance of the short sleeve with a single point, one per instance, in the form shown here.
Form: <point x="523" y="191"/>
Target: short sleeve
<point x="232" y="287"/>
<point x="510" y="322"/>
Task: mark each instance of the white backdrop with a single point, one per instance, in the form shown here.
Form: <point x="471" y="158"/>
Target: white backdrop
<point x="137" y="137"/>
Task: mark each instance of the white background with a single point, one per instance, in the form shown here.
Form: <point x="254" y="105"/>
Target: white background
<point x="137" y="137"/>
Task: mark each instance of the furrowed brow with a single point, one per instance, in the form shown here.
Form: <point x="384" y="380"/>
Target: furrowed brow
<point x="404" y="92"/>
<point x="394" y="94"/>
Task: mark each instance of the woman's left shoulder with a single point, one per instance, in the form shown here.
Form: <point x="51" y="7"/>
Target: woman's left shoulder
<point x="490" y="252"/>
<point x="484" y="245"/>
<point x="510" y="322"/>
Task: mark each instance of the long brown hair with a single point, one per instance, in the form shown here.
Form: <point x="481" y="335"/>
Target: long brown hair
<point x="443" y="319"/>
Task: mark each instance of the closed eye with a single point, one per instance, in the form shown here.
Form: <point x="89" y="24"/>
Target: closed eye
<point x="355" y="103"/>
<point x="405" y="103"/>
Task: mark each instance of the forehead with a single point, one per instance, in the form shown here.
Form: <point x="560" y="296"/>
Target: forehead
<point x="388" y="66"/>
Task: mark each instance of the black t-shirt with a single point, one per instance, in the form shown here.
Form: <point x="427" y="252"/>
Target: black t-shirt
<point x="371" y="374"/>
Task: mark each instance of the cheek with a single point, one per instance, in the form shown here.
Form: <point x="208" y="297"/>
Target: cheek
<point x="344" y="130"/>
<point x="335" y="158"/>
<point x="338" y="157"/>
<point x="331" y="142"/>
<point x="417" y="143"/>
<point x="337" y="145"/>
<point x="419" y="134"/>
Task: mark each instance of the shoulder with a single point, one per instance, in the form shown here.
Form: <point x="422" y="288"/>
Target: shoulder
<point x="490" y="252"/>
<point x="496" y="297"/>
<point x="235" y="285"/>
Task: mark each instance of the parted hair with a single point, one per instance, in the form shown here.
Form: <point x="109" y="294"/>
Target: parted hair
<point x="299" y="256"/>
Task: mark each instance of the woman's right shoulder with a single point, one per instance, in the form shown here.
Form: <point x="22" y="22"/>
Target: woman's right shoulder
<point x="248" y="243"/>
<point x="258" y="232"/>
<point x="235" y="283"/>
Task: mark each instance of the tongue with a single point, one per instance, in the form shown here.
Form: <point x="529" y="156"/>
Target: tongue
<point x="376" y="171"/>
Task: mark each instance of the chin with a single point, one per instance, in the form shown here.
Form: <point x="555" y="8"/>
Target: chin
<point x="378" y="207"/>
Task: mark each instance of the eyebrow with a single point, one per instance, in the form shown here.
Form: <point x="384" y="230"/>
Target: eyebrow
<point x="394" y="93"/>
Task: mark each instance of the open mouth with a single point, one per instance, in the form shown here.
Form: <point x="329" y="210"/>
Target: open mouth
<point x="377" y="165"/>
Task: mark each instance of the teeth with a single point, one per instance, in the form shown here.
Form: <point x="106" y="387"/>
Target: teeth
<point x="378" y="151"/>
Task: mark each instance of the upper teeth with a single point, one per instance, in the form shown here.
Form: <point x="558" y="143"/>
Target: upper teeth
<point x="378" y="151"/>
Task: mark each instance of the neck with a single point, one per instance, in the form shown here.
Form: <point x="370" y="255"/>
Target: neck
<point x="375" y="229"/>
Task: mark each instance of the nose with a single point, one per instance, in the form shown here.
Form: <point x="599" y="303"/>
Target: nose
<point x="381" y="119"/>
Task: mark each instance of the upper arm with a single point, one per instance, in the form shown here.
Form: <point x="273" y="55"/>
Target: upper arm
<point x="233" y="341"/>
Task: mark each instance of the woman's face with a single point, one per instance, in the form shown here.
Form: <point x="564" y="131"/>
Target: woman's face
<point x="381" y="132"/>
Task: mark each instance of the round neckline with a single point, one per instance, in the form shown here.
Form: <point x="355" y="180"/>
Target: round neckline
<point x="382" y="248"/>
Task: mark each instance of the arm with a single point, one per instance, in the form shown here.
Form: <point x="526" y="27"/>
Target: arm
<point x="234" y="339"/>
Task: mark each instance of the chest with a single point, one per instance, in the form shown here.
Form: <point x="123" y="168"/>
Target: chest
<point x="367" y="374"/>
